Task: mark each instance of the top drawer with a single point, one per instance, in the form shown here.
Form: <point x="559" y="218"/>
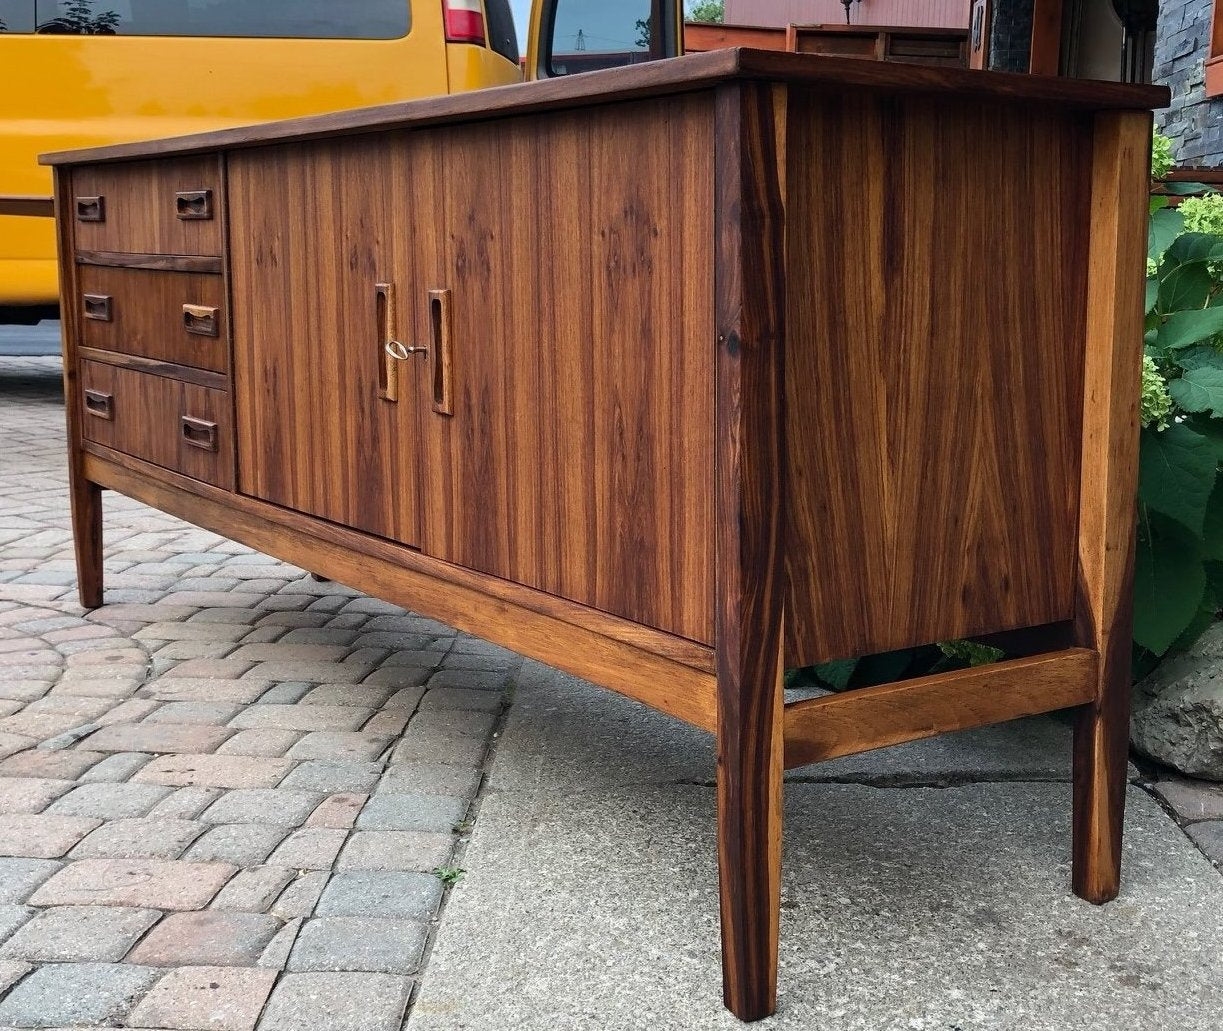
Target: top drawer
<point x="148" y="207"/>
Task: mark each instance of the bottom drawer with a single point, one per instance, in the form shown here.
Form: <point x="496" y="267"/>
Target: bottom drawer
<point x="177" y="425"/>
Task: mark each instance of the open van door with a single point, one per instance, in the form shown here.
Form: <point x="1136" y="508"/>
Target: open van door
<point x="571" y="36"/>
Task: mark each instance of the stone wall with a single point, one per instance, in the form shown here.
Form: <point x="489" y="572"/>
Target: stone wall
<point x="1182" y="44"/>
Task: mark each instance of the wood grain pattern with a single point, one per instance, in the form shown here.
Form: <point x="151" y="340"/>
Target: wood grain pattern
<point x="933" y="376"/>
<point x="141" y="210"/>
<point x="314" y="233"/>
<point x="581" y="443"/>
<point x="512" y="618"/>
<point x="650" y="79"/>
<point x="147" y="315"/>
<point x="85" y="497"/>
<point x="1107" y="524"/>
<point x="201" y="377"/>
<point x="152" y="262"/>
<point x="818" y="729"/>
<point x="145" y="419"/>
<point x="750" y="294"/>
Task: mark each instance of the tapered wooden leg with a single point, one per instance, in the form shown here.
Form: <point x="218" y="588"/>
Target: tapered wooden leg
<point x="1101" y="757"/>
<point x="1112" y="376"/>
<point x="750" y="767"/>
<point x="87" y="540"/>
<point x="749" y="541"/>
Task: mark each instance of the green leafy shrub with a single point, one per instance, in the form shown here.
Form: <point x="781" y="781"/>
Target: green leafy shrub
<point x="1179" y="569"/>
<point x="1161" y="155"/>
<point x="1203" y="214"/>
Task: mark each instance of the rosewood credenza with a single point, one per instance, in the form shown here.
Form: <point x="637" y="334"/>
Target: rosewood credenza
<point x="671" y="376"/>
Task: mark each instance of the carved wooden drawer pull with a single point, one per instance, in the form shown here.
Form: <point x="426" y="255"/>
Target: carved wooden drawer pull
<point x="99" y="307"/>
<point x="201" y="320"/>
<point x="91" y="209"/>
<point x="441" y="320"/>
<point x="200" y="433"/>
<point x="100" y="405"/>
<point x="193" y="204"/>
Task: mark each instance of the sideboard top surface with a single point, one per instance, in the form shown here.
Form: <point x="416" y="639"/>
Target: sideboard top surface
<point x="655" y="78"/>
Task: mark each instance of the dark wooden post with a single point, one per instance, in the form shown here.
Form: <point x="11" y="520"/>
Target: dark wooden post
<point x="85" y="498"/>
<point x="750" y="297"/>
<point x="1112" y="376"/>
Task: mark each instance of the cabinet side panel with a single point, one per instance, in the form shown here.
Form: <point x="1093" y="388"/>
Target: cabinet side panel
<point x="934" y="370"/>
<point x="578" y="459"/>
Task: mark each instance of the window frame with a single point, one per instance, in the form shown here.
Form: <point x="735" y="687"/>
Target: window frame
<point x="1214" y="57"/>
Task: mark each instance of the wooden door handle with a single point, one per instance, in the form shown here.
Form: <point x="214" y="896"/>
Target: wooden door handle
<point x="192" y="205"/>
<point x="441" y="320"/>
<point x="201" y="320"/>
<point x="100" y="404"/>
<point x="91" y="209"/>
<point x="384" y="331"/>
<point x="200" y="433"/>
<point x="99" y="307"/>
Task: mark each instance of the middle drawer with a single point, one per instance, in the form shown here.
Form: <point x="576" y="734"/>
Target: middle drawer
<point x="174" y="317"/>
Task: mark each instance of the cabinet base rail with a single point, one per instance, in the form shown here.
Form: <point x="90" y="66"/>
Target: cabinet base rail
<point x="891" y="714"/>
<point x="652" y="667"/>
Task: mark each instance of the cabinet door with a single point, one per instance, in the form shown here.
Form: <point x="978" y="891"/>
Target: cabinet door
<point x="576" y="249"/>
<point x="315" y="229"/>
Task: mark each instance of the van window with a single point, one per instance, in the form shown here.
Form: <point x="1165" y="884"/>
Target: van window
<point x="299" y="19"/>
<point x="502" y="36"/>
<point x="590" y="34"/>
<point x="16" y="16"/>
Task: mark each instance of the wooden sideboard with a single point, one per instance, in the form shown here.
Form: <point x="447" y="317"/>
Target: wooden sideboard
<point x="672" y="377"/>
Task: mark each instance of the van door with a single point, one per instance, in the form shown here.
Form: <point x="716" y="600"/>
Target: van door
<point x="571" y="36"/>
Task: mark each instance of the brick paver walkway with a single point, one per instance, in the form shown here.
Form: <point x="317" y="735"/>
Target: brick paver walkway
<point x="223" y="796"/>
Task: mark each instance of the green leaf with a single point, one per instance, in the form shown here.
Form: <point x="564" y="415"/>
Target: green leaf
<point x="1200" y="386"/>
<point x="1210" y="428"/>
<point x="1152" y="294"/>
<point x="884" y="667"/>
<point x="1165" y="226"/>
<point x="1169" y="584"/>
<point x="1212" y="525"/>
<point x="1187" y="247"/>
<point x="1186" y="189"/>
<point x="1176" y="474"/>
<point x="971" y="653"/>
<point x="1158" y="203"/>
<point x="1183" y="328"/>
<point x="836" y="674"/>
<point x="1205" y="615"/>
<point x="1186" y="286"/>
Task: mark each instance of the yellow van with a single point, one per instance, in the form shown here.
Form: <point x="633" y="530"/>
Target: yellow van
<point x="79" y="73"/>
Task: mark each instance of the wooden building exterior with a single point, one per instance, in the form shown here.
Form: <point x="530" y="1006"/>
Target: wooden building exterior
<point x="943" y="14"/>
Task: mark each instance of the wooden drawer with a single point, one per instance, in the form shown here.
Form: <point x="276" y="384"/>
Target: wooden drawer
<point x="165" y="421"/>
<point x="175" y="317"/>
<point x="147" y="207"/>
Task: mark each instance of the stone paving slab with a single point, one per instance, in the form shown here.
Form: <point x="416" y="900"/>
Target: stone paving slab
<point x="902" y="908"/>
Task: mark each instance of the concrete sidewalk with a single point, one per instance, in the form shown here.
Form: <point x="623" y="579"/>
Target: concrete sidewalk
<point x="591" y="900"/>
